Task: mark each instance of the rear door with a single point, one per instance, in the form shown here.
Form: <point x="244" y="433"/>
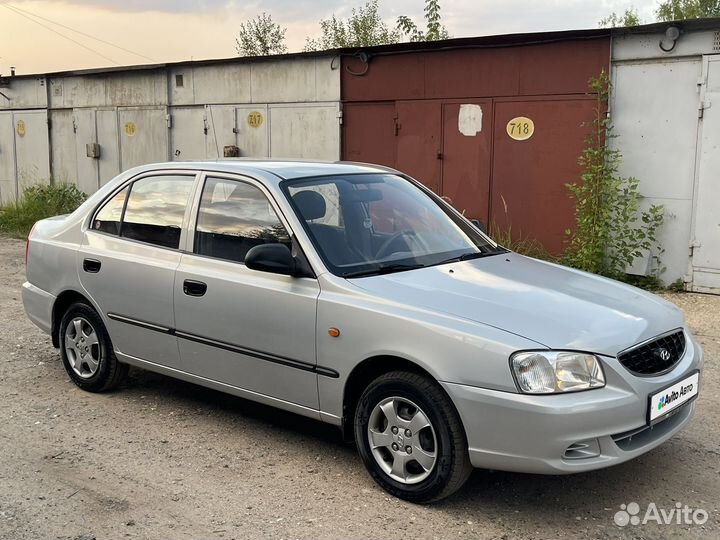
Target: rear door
<point x="127" y="263"/>
<point x="249" y="329"/>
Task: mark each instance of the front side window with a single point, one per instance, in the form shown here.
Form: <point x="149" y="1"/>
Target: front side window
<point x="381" y="223"/>
<point x="155" y="209"/>
<point x="234" y="217"/>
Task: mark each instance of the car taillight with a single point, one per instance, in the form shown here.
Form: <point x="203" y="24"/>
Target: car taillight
<point x="27" y="245"/>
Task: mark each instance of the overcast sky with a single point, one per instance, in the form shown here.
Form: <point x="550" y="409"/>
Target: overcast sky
<point x="170" y="30"/>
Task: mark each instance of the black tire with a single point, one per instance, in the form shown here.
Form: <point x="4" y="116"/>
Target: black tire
<point x="109" y="371"/>
<point x="452" y="464"/>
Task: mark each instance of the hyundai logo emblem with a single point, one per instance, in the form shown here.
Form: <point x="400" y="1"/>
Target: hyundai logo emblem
<point x="664" y="354"/>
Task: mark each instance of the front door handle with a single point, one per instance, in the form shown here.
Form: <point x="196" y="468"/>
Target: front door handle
<point x="91" y="266"/>
<point x="194" y="288"/>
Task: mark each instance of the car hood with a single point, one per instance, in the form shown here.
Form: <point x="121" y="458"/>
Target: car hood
<point x="555" y="306"/>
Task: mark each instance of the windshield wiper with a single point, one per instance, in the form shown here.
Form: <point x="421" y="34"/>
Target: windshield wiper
<point x="386" y="269"/>
<point x="475" y="255"/>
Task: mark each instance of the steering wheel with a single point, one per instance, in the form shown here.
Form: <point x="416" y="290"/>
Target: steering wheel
<point x="385" y="247"/>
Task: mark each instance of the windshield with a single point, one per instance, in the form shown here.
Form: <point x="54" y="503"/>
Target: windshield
<point x="367" y="224"/>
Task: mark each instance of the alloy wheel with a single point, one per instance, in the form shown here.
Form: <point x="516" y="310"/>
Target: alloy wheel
<point x="402" y="440"/>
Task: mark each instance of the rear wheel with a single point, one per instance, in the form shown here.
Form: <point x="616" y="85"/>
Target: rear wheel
<point x="86" y="350"/>
<point x="410" y="437"/>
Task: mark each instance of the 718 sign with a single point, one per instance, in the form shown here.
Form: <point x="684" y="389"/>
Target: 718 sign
<point x="520" y="128"/>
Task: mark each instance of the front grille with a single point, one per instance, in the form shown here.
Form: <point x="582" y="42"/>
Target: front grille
<point x="656" y="356"/>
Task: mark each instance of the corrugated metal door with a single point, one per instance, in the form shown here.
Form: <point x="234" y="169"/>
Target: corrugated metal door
<point x="706" y="245"/>
<point x="369" y="132"/>
<point x="419" y="148"/>
<point x="143" y="135"/>
<point x="188" y="133"/>
<point x="8" y="178"/>
<point x="32" y="148"/>
<point x="529" y="196"/>
<point x="466" y="154"/>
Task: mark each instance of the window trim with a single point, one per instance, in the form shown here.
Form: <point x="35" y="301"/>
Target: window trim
<point x="204" y="177"/>
<point x="194" y="174"/>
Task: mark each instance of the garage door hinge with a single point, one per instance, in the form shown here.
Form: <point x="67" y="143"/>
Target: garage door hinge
<point x="694" y="244"/>
<point x="340" y="117"/>
<point x="168" y="119"/>
<point x="703" y="105"/>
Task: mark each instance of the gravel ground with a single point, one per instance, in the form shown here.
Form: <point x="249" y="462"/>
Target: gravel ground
<point x="160" y="458"/>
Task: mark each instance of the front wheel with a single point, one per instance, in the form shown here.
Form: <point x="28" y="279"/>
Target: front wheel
<point x="410" y="437"/>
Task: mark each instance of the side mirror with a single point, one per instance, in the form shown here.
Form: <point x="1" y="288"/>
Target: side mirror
<point x="274" y="258"/>
<point x="479" y="224"/>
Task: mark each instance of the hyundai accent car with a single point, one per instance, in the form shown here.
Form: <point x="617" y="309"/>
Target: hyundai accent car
<point x="352" y="294"/>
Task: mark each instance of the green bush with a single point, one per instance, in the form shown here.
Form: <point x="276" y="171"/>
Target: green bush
<point x="38" y="202"/>
<point x="611" y="231"/>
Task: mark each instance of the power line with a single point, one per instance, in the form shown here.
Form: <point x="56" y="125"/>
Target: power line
<point x="59" y="34"/>
<point x="82" y="33"/>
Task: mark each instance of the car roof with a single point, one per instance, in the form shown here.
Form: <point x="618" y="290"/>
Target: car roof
<point x="273" y="169"/>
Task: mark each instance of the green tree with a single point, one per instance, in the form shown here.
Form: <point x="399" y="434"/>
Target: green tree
<point x="260" y="37"/>
<point x="434" y="27"/>
<point x="629" y="18"/>
<point x="363" y="28"/>
<point x="676" y="10"/>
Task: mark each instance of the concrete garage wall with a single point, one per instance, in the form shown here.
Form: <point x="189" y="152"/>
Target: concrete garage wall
<point x="282" y="108"/>
<point x="657" y="112"/>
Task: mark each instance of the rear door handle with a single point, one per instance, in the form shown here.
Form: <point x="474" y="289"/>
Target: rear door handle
<point x="91" y="266"/>
<point x="194" y="288"/>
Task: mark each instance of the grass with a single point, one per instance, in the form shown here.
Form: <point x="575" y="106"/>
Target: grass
<point x="524" y="245"/>
<point x="38" y="202"/>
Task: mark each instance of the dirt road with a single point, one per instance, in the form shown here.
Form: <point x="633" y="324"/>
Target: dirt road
<point x="164" y="459"/>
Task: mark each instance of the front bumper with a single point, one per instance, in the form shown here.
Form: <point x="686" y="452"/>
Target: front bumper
<point x="536" y="434"/>
<point x="38" y="306"/>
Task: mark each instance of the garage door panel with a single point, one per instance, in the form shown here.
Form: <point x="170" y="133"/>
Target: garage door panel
<point x="529" y="196"/>
<point x="188" y="133"/>
<point x="8" y="180"/>
<point x="419" y="146"/>
<point x="32" y="148"/>
<point x="467" y="147"/>
<point x="143" y="136"/>
<point x="305" y="132"/>
<point x="369" y="132"/>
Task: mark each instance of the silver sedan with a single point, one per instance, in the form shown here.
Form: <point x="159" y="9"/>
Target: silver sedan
<point x="352" y="294"/>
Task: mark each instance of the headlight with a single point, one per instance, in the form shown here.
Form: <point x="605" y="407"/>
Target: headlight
<point x="550" y="372"/>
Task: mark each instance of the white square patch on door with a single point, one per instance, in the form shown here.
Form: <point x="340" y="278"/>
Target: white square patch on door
<point x="470" y="119"/>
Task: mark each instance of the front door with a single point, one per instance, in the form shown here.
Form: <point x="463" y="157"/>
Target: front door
<point x="248" y="329"/>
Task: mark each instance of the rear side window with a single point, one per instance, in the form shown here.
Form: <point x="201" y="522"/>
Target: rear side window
<point x="155" y="209"/>
<point x="233" y="218"/>
<point x="108" y="217"/>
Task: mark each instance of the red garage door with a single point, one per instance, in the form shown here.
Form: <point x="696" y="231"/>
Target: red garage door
<point x="529" y="193"/>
